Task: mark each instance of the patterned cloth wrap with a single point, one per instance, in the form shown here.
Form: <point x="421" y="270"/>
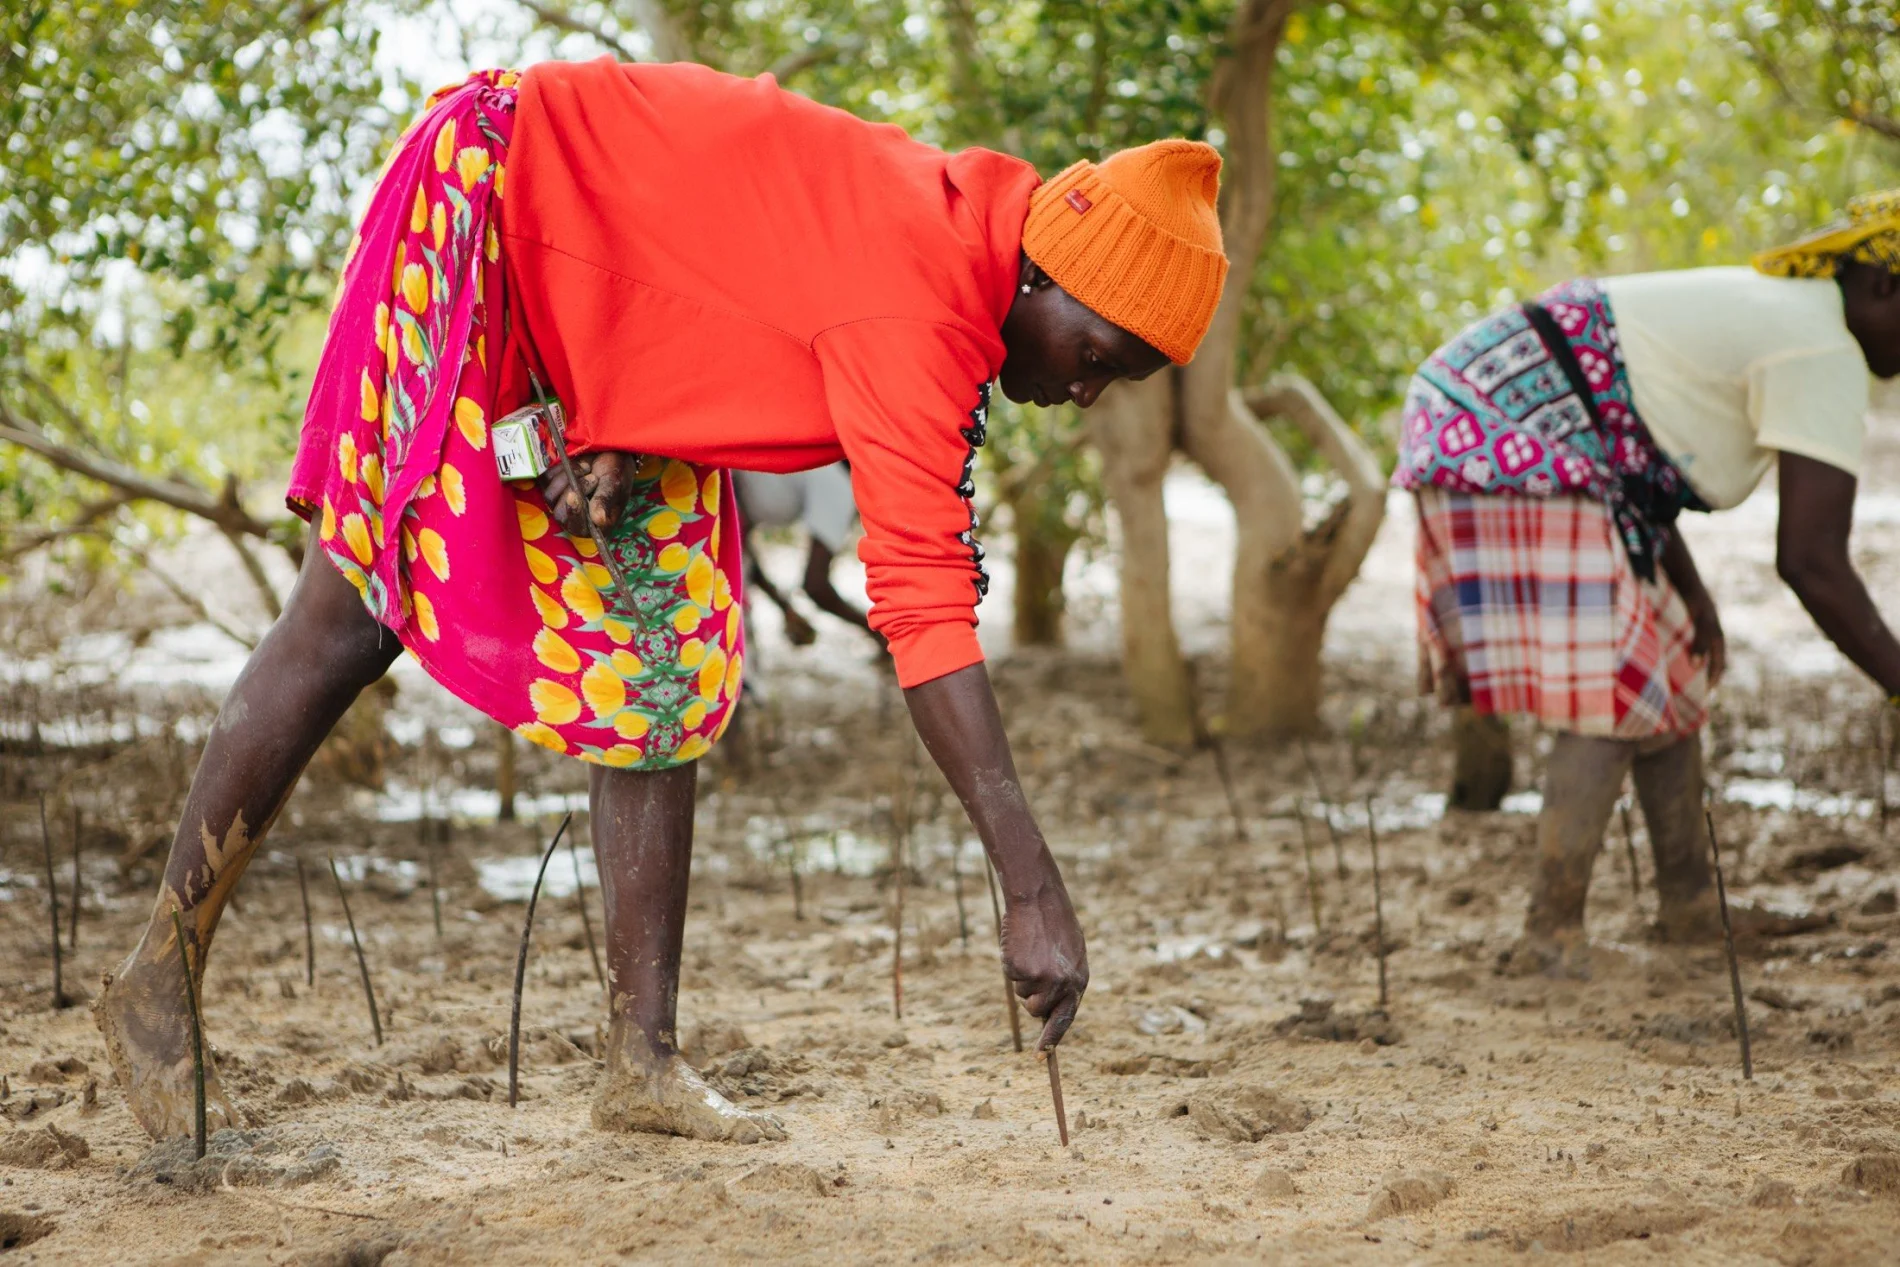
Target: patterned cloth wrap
<point x="1492" y="412"/>
<point x="1539" y="532"/>
<point x="1529" y="607"/>
<point x="511" y="615"/>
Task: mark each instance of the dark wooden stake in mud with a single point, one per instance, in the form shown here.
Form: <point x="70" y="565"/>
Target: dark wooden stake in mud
<point x="956" y="881"/>
<point x="1728" y="942"/>
<point x="1881" y="742"/>
<point x="1326" y="810"/>
<point x="1055" y="1090"/>
<point x="1629" y="848"/>
<point x="52" y="907"/>
<point x="197" y="1041"/>
<point x="897" y="934"/>
<point x="1009" y="990"/>
<point x="1312" y="877"/>
<point x="72" y="922"/>
<point x="1227" y="785"/>
<point x="1378" y="898"/>
<point x="587" y="921"/>
<point x="362" y="964"/>
<point x="309" y="938"/>
<point x="521" y="967"/>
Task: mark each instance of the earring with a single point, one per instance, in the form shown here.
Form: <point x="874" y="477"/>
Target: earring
<point x="1026" y="288"/>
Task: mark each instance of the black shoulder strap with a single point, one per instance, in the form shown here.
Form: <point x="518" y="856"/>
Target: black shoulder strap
<point x="1566" y="357"/>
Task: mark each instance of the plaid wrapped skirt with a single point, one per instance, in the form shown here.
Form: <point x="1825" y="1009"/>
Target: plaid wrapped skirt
<point x="1529" y="606"/>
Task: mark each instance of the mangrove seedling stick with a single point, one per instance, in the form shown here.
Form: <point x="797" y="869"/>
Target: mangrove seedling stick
<point x="72" y="924"/>
<point x="197" y="1042"/>
<point x="1629" y="848"/>
<point x="1378" y="898"/>
<point x="897" y="926"/>
<point x="587" y="921"/>
<point x="1326" y="810"/>
<point x="956" y="880"/>
<point x="1009" y="990"/>
<point x="521" y="966"/>
<point x="1227" y="786"/>
<point x="1728" y="942"/>
<point x="1055" y="1090"/>
<point x="309" y="938"/>
<point x="52" y="906"/>
<point x="1312" y="877"/>
<point x="362" y="964"/>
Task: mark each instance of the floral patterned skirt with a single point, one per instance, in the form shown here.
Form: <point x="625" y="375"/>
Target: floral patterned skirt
<point x="507" y="612"/>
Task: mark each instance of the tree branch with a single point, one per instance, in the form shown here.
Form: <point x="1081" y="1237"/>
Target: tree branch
<point x="226" y="513"/>
<point x="1355" y="522"/>
<point x="81" y="524"/>
<point x="670" y="44"/>
<point x="186" y="597"/>
<point x="562" y="20"/>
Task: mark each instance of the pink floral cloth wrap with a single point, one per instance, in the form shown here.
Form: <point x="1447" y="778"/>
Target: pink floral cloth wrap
<point x="395" y="465"/>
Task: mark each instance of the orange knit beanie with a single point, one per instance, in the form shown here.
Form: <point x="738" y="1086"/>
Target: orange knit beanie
<point x="1137" y="239"/>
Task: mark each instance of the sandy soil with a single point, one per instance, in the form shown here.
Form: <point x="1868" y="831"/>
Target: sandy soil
<point x="1234" y="1091"/>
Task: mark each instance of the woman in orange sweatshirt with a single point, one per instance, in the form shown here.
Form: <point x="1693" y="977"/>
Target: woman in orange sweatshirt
<point x="703" y="272"/>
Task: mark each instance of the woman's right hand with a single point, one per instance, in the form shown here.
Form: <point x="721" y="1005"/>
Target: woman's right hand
<point x="605" y="487"/>
<point x="1046" y="958"/>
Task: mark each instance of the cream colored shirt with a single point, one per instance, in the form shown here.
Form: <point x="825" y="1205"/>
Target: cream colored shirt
<point x="1730" y="367"/>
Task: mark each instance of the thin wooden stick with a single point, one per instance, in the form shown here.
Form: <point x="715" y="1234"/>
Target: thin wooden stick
<point x="362" y="964"/>
<point x="309" y="938"/>
<point x="521" y="967"/>
<point x="1728" y="942"/>
<point x="587" y="921"/>
<point x="1378" y="897"/>
<point x="1312" y="877"/>
<point x="72" y="924"/>
<point x="1009" y="990"/>
<point x="1880" y="769"/>
<point x="197" y="1042"/>
<point x="1055" y="1090"/>
<point x="1326" y="810"/>
<point x="956" y="878"/>
<point x="898" y="841"/>
<point x="1629" y="848"/>
<point x="52" y="907"/>
<point x="1227" y="786"/>
<point x="435" y="887"/>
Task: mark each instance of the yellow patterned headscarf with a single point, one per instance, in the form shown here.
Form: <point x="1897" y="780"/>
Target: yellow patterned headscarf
<point x="1869" y="235"/>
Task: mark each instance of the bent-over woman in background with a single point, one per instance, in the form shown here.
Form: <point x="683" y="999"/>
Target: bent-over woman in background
<point x="1550" y="448"/>
<point x="705" y="272"/>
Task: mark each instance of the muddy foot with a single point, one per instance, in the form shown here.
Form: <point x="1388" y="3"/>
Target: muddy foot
<point x="1561" y="954"/>
<point x="1700" y="922"/>
<point x="141" y="1012"/>
<point x="668" y="1098"/>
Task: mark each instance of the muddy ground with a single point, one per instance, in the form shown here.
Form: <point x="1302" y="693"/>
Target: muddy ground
<point x="1235" y="1093"/>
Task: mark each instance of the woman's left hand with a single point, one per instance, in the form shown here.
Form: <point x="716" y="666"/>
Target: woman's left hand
<point x="1709" y="643"/>
<point x="605" y="487"/>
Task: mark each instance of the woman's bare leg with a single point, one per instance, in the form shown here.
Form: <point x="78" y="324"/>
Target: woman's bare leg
<point x="1582" y="781"/>
<point x="643" y="837"/>
<point x="323" y="651"/>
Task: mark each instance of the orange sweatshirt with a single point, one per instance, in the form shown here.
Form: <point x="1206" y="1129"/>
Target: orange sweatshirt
<point x="714" y="269"/>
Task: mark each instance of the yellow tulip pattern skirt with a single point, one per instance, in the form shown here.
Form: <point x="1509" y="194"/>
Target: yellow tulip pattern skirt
<point x="395" y="463"/>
